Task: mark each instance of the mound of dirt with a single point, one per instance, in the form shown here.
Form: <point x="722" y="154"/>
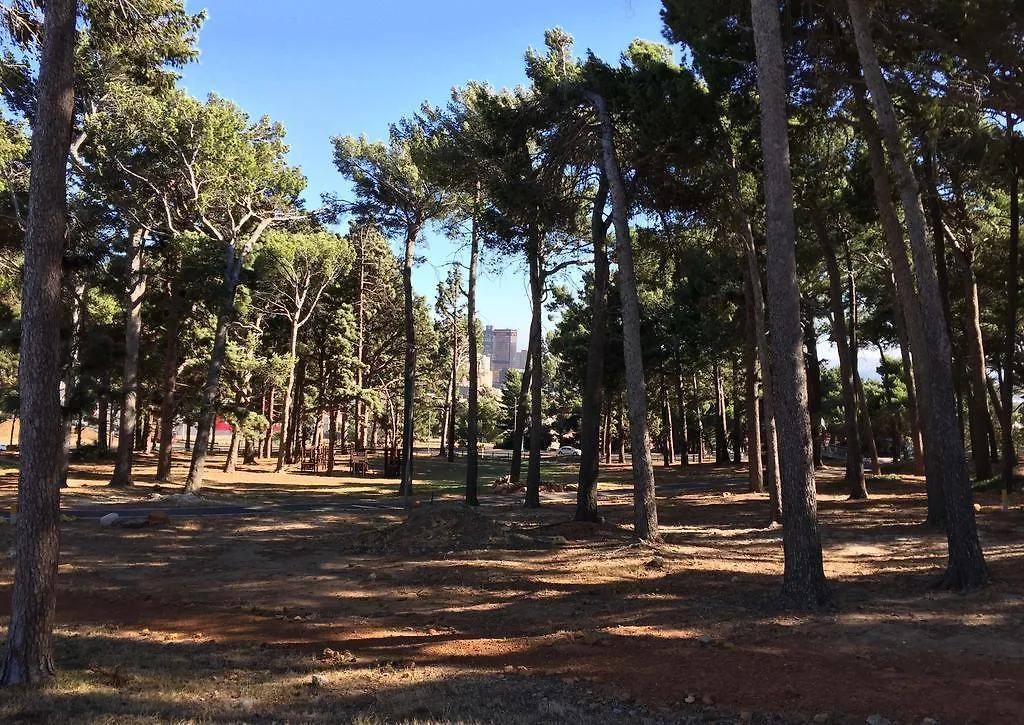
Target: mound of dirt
<point x="442" y="527"/>
<point x="506" y="488"/>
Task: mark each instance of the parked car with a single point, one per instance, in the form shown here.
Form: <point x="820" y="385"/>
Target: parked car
<point x="569" y="451"/>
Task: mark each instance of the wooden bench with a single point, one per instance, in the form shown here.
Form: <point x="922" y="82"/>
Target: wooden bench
<point x="359" y="463"/>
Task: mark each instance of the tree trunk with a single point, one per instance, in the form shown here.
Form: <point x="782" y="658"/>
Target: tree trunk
<point x="134" y="289"/>
<point x="721" y="437"/>
<point x="813" y="364"/>
<point x="169" y="402"/>
<point x="858" y="384"/>
<point x="446" y="410"/>
<point x="208" y="414"/>
<point x="294" y="448"/>
<point x="537" y="378"/>
<point x="699" y="415"/>
<point x="684" y="434"/>
<point x="232" y="459"/>
<point x="753" y="272"/>
<point x="645" y="512"/>
<point x="519" y="423"/>
<point x="754" y="460"/>
<point x="620" y="428"/>
<point x="268" y="437"/>
<point x="409" y="387"/>
<point x="966" y="563"/>
<point x="670" y="451"/>
<point x="804" y="582"/>
<point x="910" y="380"/>
<point x="332" y="438"/>
<point x="841" y="337"/>
<point x="593" y="386"/>
<point x="606" y="439"/>
<point x="737" y="419"/>
<point x="289" y="390"/>
<point x="472" y="427"/>
<point x="28" y="656"/>
<point x="977" y="375"/>
<point x="1009" y="461"/>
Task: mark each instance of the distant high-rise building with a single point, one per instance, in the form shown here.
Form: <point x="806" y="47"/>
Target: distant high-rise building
<point x="502" y="347"/>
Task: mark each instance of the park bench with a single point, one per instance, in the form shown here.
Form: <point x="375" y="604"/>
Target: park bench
<point x="359" y="462"/>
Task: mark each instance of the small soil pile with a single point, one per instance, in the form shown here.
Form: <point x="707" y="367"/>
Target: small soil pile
<point x="442" y="527"/>
<point x="506" y="488"/>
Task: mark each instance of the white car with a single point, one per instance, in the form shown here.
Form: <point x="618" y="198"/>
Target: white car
<point x="569" y="451"/>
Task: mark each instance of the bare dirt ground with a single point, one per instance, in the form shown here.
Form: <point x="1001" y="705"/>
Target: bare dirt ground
<point x="506" y="615"/>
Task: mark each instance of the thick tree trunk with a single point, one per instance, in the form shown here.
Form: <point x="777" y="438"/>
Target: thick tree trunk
<point x="645" y="512"/>
<point x="754" y="459"/>
<point x="28" y="656"/>
<point x="208" y="414"/>
<point x="472" y="425"/>
<point x="536" y="379"/>
<point x="1009" y="460"/>
<point x="593" y="386"/>
<point x="804" y="582"/>
<point x="841" y="337"/>
<point x="135" y="288"/>
<point x="409" y="388"/>
<point x="944" y="448"/>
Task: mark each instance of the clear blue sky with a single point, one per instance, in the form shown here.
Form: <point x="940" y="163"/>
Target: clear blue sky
<point x="326" y="68"/>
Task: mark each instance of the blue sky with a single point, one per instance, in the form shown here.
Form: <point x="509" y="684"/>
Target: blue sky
<point x="326" y="68"/>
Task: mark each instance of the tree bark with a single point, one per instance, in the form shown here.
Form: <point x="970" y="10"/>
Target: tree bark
<point x="754" y="459"/>
<point x="753" y="272"/>
<point x="645" y="512"/>
<point x="683" y="445"/>
<point x="1009" y="460"/>
<point x="977" y="399"/>
<point x="169" y="402"/>
<point x="813" y="364"/>
<point x="208" y="414"/>
<point x="841" y="337"/>
<point x="409" y="387"/>
<point x="670" y="451"/>
<point x="593" y="386"/>
<point x="28" y="656"/>
<point x="858" y="384"/>
<point x="910" y="380"/>
<point x="721" y="436"/>
<point x="232" y="459"/>
<point x="804" y="582"/>
<point x="135" y="288"/>
<point x="966" y="563"/>
<point x="536" y="379"/>
<point x="520" y="414"/>
<point x="472" y="427"/>
<point x="289" y="390"/>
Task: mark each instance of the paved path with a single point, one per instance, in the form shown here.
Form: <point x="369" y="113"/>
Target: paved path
<point x="351" y="505"/>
